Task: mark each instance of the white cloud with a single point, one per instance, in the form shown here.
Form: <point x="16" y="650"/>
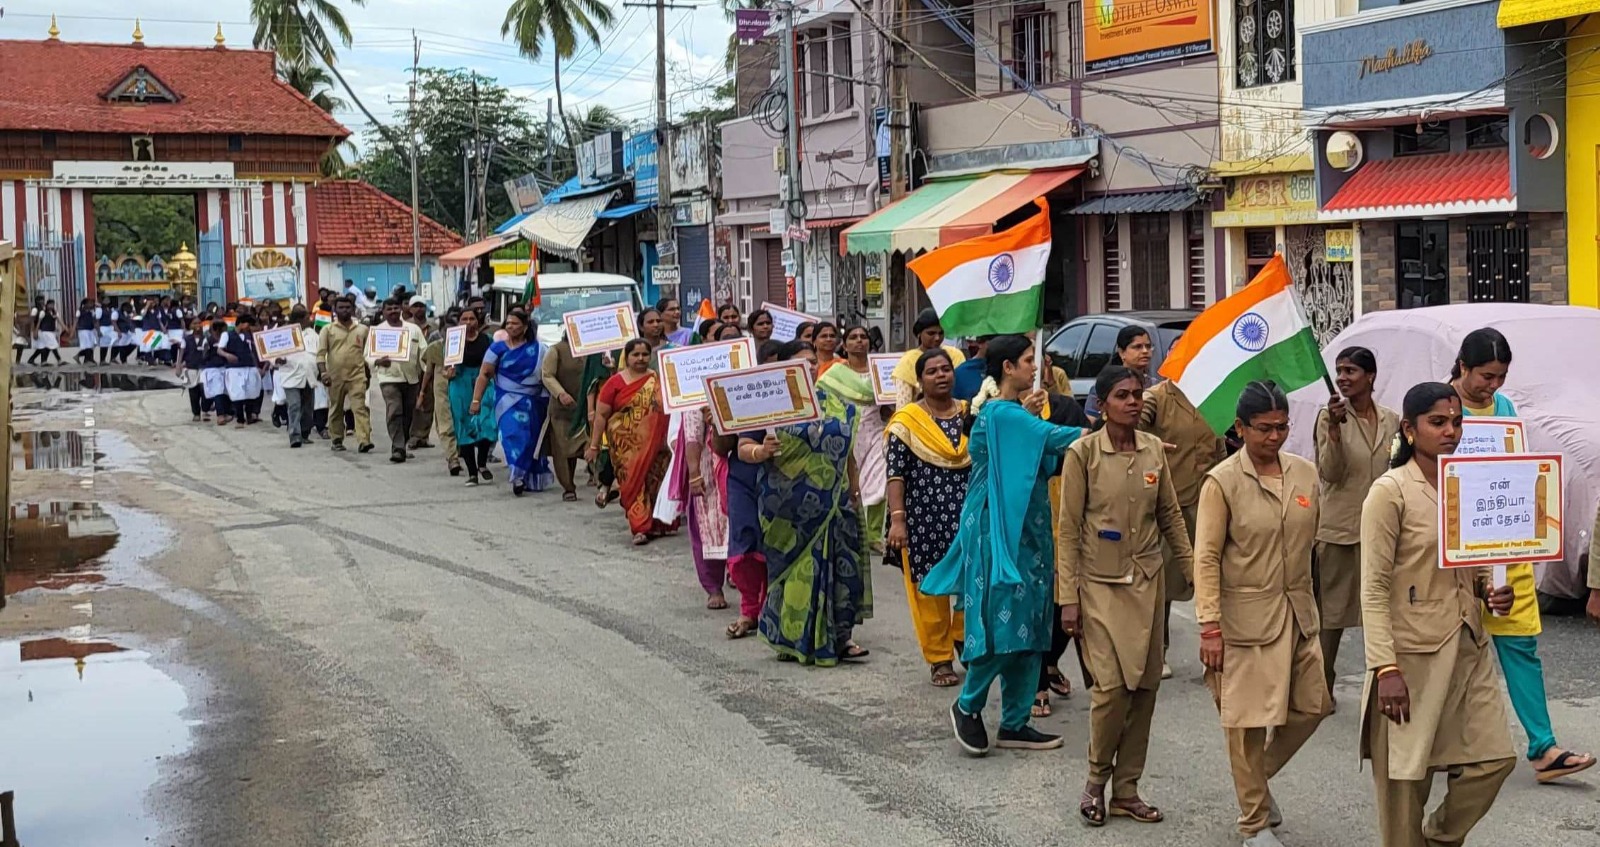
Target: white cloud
<point x="621" y="75"/>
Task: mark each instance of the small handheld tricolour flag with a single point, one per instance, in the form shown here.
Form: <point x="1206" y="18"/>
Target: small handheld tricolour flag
<point x="992" y="284"/>
<point x="321" y="318"/>
<point x="1261" y="332"/>
<point x="153" y="340"/>
<point x="530" y="292"/>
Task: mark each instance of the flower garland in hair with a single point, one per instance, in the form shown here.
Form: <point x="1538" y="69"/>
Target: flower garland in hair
<point x="989" y="390"/>
<point x="1394" y="448"/>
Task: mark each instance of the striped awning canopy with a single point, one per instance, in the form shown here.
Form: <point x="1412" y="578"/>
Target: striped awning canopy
<point x="561" y="228"/>
<point x="951" y="210"/>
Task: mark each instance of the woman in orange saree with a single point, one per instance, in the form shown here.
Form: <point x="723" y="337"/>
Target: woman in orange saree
<point x="629" y="413"/>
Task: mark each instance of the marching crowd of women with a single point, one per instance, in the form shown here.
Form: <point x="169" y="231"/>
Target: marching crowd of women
<point x="1021" y="523"/>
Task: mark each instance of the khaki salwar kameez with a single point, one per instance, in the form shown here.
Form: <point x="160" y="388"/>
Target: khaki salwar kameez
<point x="567" y="438"/>
<point x="1427" y="621"/>
<point x="1169" y="415"/>
<point x="1253" y="577"/>
<point x="1348" y="469"/>
<point x="1116" y="509"/>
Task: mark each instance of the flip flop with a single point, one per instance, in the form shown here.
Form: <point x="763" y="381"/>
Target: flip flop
<point x="1561" y="767"/>
<point x="854" y="653"/>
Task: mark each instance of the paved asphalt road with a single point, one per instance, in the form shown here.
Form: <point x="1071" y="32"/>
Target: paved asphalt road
<point x="376" y="655"/>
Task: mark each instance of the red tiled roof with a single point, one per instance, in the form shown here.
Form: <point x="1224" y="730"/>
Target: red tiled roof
<point x="357" y="219"/>
<point x="59" y="86"/>
<point x="1468" y="180"/>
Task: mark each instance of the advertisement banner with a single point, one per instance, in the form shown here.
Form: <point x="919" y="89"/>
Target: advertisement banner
<point x="750" y="25"/>
<point x="269" y="273"/>
<point x="639" y="159"/>
<point x="524" y="193"/>
<point x="1123" y="33"/>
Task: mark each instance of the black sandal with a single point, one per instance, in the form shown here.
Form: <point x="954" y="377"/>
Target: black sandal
<point x="944" y="675"/>
<point x="1092" y="810"/>
<point x="1041" y="705"/>
<point x="1561" y="767"/>
<point x="853" y="652"/>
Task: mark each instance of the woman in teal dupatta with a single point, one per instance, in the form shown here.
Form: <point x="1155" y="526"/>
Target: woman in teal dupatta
<point x="1001" y="567"/>
<point x="818" y="586"/>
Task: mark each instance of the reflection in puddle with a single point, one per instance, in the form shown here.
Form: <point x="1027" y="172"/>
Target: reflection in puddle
<point x="49" y="449"/>
<point x="78" y="381"/>
<point x="85" y="734"/>
<point x="57" y="545"/>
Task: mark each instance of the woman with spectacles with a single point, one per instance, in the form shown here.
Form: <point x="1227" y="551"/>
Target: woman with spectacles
<point x="1256" y="524"/>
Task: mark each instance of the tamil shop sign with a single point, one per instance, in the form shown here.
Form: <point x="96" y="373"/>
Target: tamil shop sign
<point x="1268" y="200"/>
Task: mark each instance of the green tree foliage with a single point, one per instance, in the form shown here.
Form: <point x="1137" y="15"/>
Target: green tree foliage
<point x="720" y="110"/>
<point x="143" y="224"/>
<point x="444" y="112"/>
<point x="562" y="23"/>
<point x="301" y="30"/>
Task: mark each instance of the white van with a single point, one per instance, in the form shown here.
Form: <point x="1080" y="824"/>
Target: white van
<point x="560" y="293"/>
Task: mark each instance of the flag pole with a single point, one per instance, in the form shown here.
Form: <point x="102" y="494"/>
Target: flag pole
<point x="1038" y="358"/>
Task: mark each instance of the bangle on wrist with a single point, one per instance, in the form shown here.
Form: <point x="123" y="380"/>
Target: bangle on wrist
<point x="1211" y="633"/>
<point x="897" y="512"/>
<point x="1387" y="670"/>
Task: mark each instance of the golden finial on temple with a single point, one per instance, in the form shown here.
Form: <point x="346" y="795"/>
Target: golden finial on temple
<point x="55" y="31"/>
<point x="218" y="38"/>
<point x="138" y="34"/>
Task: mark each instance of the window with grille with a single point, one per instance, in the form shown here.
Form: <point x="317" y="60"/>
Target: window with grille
<point x="1150" y="260"/>
<point x="1194" y="221"/>
<point x="816" y="59"/>
<point x="1259" y="247"/>
<point x="1497" y="262"/>
<point x="1263" y="42"/>
<point x="843" y="68"/>
<point x="1111" y="263"/>
<point x="1033" y="48"/>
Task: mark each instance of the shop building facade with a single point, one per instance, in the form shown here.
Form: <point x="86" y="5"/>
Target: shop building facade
<point x="1436" y="139"/>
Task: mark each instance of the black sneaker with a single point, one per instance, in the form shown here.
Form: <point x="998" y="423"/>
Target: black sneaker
<point x="294" y="445"/>
<point x="338" y="445"/>
<point x="487" y="476"/>
<point x="397" y="456"/>
<point x="365" y="448"/>
<point x="970" y="732"/>
<point x="1027" y="738"/>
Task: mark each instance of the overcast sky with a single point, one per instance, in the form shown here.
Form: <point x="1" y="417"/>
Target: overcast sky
<point x="454" y="33"/>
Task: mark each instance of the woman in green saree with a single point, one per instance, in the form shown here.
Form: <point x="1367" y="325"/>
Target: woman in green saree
<point x="849" y="382"/>
<point x="818" y="586"/>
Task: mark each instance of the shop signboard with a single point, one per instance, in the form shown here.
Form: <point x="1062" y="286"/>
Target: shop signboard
<point x="1121" y="34"/>
<point x="1268" y="200"/>
<point x="639" y="160"/>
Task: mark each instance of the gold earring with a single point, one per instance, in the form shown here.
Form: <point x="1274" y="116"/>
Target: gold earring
<point x="1408" y="439"/>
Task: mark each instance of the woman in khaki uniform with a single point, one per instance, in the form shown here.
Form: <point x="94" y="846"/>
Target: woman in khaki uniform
<point x="1431" y="700"/>
<point x="1353" y="438"/>
<point x="1196" y="449"/>
<point x="1117" y="505"/>
<point x="1258" y="615"/>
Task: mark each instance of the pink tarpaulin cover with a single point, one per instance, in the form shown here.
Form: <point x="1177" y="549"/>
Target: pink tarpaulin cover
<point x="1554" y="382"/>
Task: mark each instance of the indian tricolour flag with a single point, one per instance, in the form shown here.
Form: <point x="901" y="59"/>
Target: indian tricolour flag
<point x="992" y="284"/>
<point x="152" y="341"/>
<point x="321" y="318"/>
<point x="1261" y="332"/>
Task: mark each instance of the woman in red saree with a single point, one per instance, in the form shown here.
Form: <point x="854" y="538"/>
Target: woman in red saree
<point x="629" y="413"/>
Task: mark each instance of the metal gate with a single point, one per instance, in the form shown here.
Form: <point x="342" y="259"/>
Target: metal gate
<point x="1326" y="288"/>
<point x="1497" y="262"/>
<point x="53" y="268"/>
<point x="213" y="267"/>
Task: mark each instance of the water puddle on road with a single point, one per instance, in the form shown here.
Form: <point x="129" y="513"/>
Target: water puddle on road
<point x="87" y="727"/>
<point x="53" y="450"/>
<point x="91" y="382"/>
<point x="57" y="545"/>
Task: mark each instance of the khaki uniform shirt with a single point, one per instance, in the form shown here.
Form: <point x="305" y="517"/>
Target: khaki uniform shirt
<point x="1170" y="415"/>
<point x="408" y="369"/>
<point x="1408" y="603"/>
<point x="1252" y="552"/>
<point x="1115" y="510"/>
<point x="342" y="352"/>
<point x="1427" y="621"/>
<point x="1348" y="470"/>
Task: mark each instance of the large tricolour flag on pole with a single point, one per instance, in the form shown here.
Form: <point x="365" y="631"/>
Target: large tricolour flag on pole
<point x="1261" y="332"/>
<point x="992" y="284"/>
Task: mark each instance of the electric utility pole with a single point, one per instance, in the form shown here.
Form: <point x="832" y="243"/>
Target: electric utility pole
<point x="664" y="144"/>
<point x="793" y="196"/>
<point x="411" y="114"/>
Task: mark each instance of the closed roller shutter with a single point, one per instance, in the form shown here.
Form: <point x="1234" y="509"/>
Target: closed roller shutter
<point x="777" y="287"/>
<point x="694" y="270"/>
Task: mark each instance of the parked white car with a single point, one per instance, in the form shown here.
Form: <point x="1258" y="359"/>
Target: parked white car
<point x="560" y="293"/>
<point x="1553" y="382"/>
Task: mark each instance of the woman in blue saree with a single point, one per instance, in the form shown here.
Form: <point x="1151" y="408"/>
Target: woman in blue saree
<point x="818" y="587"/>
<point x="1001" y="566"/>
<point x="513" y="366"/>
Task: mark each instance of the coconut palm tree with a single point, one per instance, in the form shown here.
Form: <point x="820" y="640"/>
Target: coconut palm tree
<point x="299" y="29"/>
<point x="530" y="23"/>
<point x="316" y="84"/>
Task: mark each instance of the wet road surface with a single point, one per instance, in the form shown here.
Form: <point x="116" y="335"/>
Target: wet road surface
<point x="337" y="651"/>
